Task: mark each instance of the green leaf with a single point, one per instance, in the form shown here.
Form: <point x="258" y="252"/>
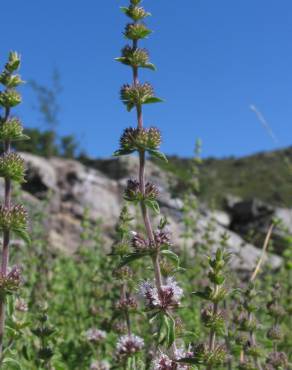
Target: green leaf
<point x="120" y="59"/>
<point x="150" y="66"/>
<point x="120" y="152"/>
<point x="157" y="154"/>
<point x="189" y="360"/>
<point x="152" y="204"/>
<point x="132" y="257"/>
<point x="170" y="325"/>
<point x="152" y="100"/>
<point x="171" y="256"/>
<point x="13" y="364"/>
<point x="23" y="234"/>
<point x="124" y="9"/>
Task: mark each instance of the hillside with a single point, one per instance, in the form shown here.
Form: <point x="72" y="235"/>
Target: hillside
<point x="266" y="175"/>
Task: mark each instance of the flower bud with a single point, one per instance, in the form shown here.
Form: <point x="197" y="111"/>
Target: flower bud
<point x="136" y="31"/>
<point x="13" y="219"/>
<point x="123" y="273"/>
<point x="9" y="98"/>
<point x="10" y="81"/>
<point x="275" y="333"/>
<point x="253" y="351"/>
<point x="275" y="310"/>
<point x="278" y="360"/>
<point x="246" y="365"/>
<point x="215" y="322"/>
<point x="162" y="238"/>
<point x="95" y="335"/>
<point x="11" y="129"/>
<point x="13" y="62"/>
<point x="136" y="95"/>
<point x="154" y="138"/>
<point x="134" y="57"/>
<point x="11" y="282"/>
<point x="140" y="139"/>
<point x="139" y="243"/>
<point x="127" y="304"/>
<point x="151" y="191"/>
<point x="12" y="167"/>
<point x="132" y="192"/>
<point x="136" y="13"/>
<point x="135" y="2"/>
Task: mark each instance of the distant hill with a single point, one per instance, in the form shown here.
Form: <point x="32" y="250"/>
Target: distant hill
<point x="266" y="175"/>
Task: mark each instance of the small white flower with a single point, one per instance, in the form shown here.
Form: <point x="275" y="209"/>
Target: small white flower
<point x="170" y="294"/>
<point x="95" y="335"/>
<point x="128" y="345"/>
<point x="100" y="365"/>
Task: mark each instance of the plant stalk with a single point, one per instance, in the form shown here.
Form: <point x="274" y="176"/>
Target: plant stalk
<point x="6" y="241"/>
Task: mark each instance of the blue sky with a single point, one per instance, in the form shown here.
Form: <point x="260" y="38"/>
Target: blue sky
<point x="214" y="59"/>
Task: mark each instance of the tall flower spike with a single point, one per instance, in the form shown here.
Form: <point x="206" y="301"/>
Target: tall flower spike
<point x="13" y="219"/>
<point x="163" y="296"/>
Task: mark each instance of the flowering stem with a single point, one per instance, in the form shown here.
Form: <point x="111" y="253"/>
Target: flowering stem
<point x="6" y="239"/>
<point x="127" y="316"/>
<point x="144" y="210"/>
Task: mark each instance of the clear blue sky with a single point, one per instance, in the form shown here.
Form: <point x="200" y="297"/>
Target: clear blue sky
<point x="214" y="59"/>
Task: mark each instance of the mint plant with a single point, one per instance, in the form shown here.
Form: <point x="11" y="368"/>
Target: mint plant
<point x="162" y="295"/>
<point x="13" y="218"/>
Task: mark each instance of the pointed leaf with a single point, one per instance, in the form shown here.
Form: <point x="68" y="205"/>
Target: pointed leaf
<point x="158" y="155"/>
<point x="152" y="100"/>
<point x="153" y="204"/>
<point x="150" y="66"/>
<point x="120" y="152"/>
<point x="171" y="255"/>
<point x="24" y="235"/>
<point x="132" y="257"/>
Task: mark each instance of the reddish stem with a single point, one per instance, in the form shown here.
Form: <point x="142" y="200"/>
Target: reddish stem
<point x="6" y="240"/>
<point x="145" y="214"/>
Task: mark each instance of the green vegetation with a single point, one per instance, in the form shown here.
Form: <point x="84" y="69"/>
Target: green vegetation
<point x="267" y="176"/>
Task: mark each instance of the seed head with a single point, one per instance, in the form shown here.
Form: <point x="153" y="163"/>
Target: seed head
<point x="129" y="345"/>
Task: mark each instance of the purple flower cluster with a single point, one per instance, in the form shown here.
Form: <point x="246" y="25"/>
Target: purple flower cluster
<point x="164" y="362"/>
<point x="128" y="345"/>
<point x="95" y="335"/>
<point x="169" y="296"/>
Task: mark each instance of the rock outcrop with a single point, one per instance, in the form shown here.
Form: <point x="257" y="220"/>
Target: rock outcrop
<point x="71" y="188"/>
